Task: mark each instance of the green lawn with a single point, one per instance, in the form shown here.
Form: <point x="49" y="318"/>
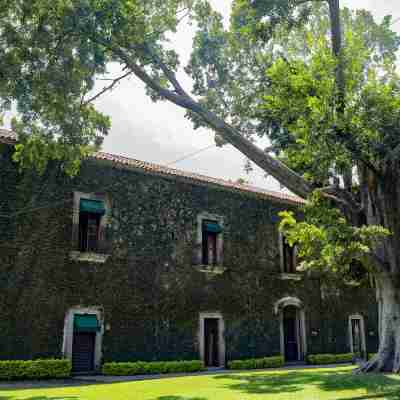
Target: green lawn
<point x="306" y="384"/>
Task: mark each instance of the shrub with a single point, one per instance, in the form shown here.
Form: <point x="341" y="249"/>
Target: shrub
<point x="317" y="359"/>
<point x="34" y="369"/>
<point x="154" y="367"/>
<point x="257" y="363"/>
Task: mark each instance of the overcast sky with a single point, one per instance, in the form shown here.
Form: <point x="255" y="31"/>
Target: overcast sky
<point x="158" y="132"/>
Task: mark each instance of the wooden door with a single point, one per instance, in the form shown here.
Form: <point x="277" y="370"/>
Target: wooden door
<point x="211" y="342"/>
<point x="290" y="327"/>
<point x="83" y="351"/>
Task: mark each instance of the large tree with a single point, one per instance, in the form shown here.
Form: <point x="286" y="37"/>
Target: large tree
<point x="319" y="83"/>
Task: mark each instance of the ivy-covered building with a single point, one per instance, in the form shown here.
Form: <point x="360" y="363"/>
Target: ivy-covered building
<point x="135" y="261"/>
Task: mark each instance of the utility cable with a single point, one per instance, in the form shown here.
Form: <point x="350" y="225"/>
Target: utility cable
<point x="191" y="155"/>
<point x="56" y="203"/>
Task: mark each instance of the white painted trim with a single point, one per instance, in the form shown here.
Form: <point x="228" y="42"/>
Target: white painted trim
<point x="221" y="338"/>
<point x="281" y="255"/>
<point x="362" y="333"/>
<point x="68" y="334"/>
<point x="300" y="323"/>
<point x="96" y="258"/>
<point x="287" y="301"/>
<point x="290" y="277"/>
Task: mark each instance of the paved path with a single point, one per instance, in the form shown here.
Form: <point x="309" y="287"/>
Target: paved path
<point x="82" y="380"/>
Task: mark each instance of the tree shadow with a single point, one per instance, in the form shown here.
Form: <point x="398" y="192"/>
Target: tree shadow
<point x="376" y="385"/>
<point x="179" y="398"/>
<point x="271" y="383"/>
<point x="41" y="398"/>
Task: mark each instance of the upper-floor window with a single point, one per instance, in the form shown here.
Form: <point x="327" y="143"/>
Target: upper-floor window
<point x="288" y="256"/>
<point x="90" y="214"/>
<point x="210" y="232"/>
<point x="208" y="250"/>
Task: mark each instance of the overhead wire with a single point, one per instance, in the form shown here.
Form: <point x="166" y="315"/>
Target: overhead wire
<point x="190" y="155"/>
<point x="56" y="203"/>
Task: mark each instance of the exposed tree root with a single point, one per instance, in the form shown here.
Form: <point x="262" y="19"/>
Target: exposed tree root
<point x="377" y="364"/>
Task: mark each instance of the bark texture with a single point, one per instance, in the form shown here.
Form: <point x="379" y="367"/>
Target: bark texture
<point x="382" y="203"/>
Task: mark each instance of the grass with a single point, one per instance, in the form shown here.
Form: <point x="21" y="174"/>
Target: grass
<point x="306" y="384"/>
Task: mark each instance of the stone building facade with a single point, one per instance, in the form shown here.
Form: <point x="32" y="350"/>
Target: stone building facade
<point x="134" y="261"/>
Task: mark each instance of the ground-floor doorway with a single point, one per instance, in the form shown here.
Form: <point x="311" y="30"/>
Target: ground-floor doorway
<point x="211" y="339"/>
<point x="292" y="328"/>
<point x="357" y="335"/>
<point x="211" y="345"/>
<point x="83" y="334"/>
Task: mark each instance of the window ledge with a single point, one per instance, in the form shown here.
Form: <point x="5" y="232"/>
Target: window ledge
<point x="211" y="269"/>
<point x="290" y="276"/>
<point x="88" y="257"/>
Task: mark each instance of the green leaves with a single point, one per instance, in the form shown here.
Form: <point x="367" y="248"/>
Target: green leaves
<point x="325" y="239"/>
<point x="51" y="53"/>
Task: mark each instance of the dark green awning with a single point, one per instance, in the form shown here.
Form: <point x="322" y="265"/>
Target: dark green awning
<point x="86" y="323"/>
<point x="92" y="206"/>
<point x="214" y="227"/>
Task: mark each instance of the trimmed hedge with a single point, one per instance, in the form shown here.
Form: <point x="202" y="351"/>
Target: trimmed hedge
<point x="257" y="363"/>
<point x="317" y="359"/>
<point x="154" y="367"/>
<point x="34" y="369"/>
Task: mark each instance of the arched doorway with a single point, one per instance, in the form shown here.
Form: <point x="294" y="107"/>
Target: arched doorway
<point x="292" y="329"/>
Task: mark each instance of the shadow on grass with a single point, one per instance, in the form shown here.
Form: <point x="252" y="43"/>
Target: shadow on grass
<point x="41" y="398"/>
<point x="178" y="398"/>
<point x="376" y="386"/>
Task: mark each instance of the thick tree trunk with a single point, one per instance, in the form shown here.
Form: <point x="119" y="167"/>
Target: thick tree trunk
<point x="388" y="357"/>
<point x="381" y="201"/>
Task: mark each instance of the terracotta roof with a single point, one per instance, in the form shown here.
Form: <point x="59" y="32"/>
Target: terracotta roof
<point x="7" y="136"/>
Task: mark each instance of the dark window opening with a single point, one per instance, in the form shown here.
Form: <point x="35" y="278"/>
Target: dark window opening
<point x="210" y="232"/>
<point x="289" y="257"/>
<point x="89" y="231"/>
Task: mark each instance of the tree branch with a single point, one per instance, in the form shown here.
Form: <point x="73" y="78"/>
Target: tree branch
<point x="293" y="181"/>
<point x="107" y="88"/>
<point x="344" y="197"/>
<point x="170" y="75"/>
<point x="336" y="38"/>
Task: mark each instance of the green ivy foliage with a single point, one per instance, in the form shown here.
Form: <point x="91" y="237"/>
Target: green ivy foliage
<point x="257" y="363"/>
<point x="155" y="367"/>
<point x="321" y="359"/>
<point x="34" y="369"/>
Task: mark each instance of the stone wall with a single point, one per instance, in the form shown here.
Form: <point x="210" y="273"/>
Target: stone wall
<point x="150" y="292"/>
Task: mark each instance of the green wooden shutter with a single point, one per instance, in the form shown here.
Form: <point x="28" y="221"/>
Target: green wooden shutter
<point x="92" y="206"/>
<point x="86" y="323"/>
<point x="212" y="227"/>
